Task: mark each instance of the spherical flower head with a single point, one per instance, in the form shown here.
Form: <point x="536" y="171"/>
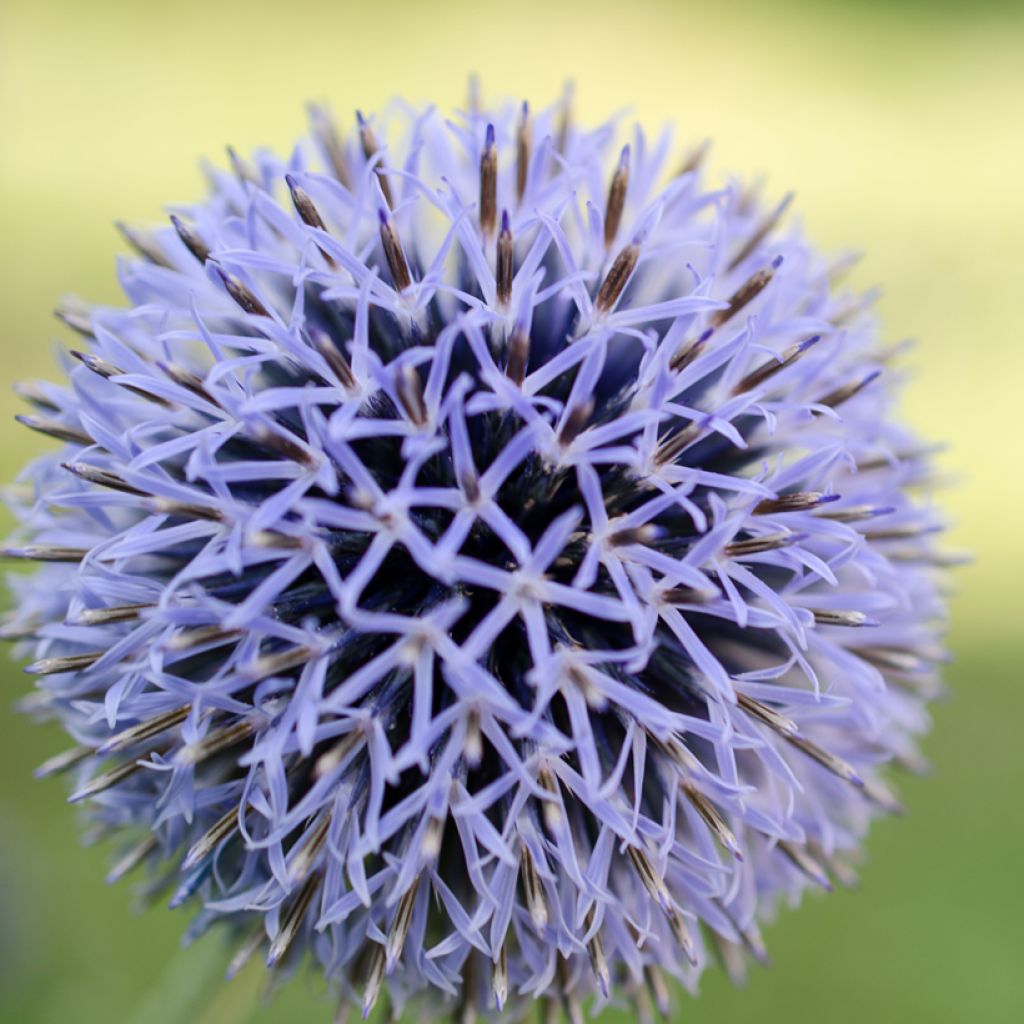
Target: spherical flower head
<point x="481" y="559"/>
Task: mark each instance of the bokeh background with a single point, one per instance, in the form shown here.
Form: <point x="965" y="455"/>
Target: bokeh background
<point x="898" y="124"/>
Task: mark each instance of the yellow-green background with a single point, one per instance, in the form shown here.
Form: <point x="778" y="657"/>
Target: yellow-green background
<point x="898" y="124"/>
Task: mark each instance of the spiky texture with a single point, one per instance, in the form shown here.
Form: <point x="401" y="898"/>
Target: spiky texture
<point x="480" y="560"/>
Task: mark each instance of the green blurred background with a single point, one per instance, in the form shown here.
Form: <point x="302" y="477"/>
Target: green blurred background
<point x="898" y="124"/>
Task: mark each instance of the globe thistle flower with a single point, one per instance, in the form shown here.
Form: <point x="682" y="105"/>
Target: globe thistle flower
<point x="481" y="561"/>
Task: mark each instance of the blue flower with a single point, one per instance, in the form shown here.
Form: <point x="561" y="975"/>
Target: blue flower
<point x="480" y="560"/>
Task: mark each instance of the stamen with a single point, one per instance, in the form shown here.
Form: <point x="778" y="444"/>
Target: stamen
<point x="100" y="477"/>
<point x="374" y="980"/>
<point x="303" y="862"/>
<point x="394" y="254"/>
<point x="309" y="214"/>
<point x="200" y="636"/>
<point x="829" y="617"/>
<point x="291" y="924"/>
<point x="216" y="741"/>
<point x="518" y="355"/>
<point x="63" y="761"/>
<point x="68" y="663"/>
<point x="133" y="858"/>
<point x="409" y="388"/>
<point x="564" y="119"/>
<point x="688" y="351"/>
<point x="184" y="510"/>
<point x="761" y="232"/>
<point x="77" y="320"/>
<point x="246" y="951"/>
<point x="846" y="391"/>
<point x="575" y="422"/>
<point x="107" y="370"/>
<point x="145" y="245"/>
<point x="616" y="198"/>
<point x="524" y="141"/>
<point x="854" y="513"/>
<point x="333" y="356"/>
<point x="799" y="501"/>
<point x="282" y="445"/>
<point x="368" y="140"/>
<point x="769" y="716"/>
<point x="323" y="128"/>
<point x="242" y="294"/>
<point x="105" y="781"/>
<point x="46" y="553"/>
<point x="533" y="891"/>
<point x="505" y="262"/>
<point x="30" y="391"/>
<point x="598" y="960"/>
<point x="400" y="926"/>
<point x="243" y="169"/>
<point x="773" y="366"/>
<point x="190" y="239"/>
<point x="758" y="545"/>
<point x="617" y="278"/>
<point x="54" y="428"/>
<point x="713" y="819"/>
<point x="499" y="978"/>
<point x="144" y="730"/>
<point x="695" y="158"/>
<point x="223" y="827"/>
<point x="745" y="294"/>
<point x="489" y="185"/>
<point x="805" y="863"/>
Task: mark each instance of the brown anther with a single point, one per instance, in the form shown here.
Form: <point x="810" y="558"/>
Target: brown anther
<point x="242" y="294"/>
<point x="409" y="388"/>
<point x="291" y="922"/>
<point x="145" y="730"/>
<point x="63" y="761"/>
<point x="46" y="553"/>
<point x="67" y="663"/>
<point x="769" y="369"/>
<point x="55" y="429"/>
<point x="144" y="244"/>
<point x="695" y="158"/>
<point x="368" y="140"/>
<point x="533" y="891"/>
<point x="489" y="185"/>
<point x="399" y="929"/>
<point x="334" y="151"/>
<point x="100" y="477"/>
<point x="761" y="232"/>
<point x="758" y="545"/>
<point x="518" y="349"/>
<point x="797" y="502"/>
<point x="688" y="351"/>
<point x="191" y="240"/>
<point x="845" y="392"/>
<point x="283" y="445"/>
<point x="745" y="294"/>
<point x="334" y="357"/>
<point x="394" y="254"/>
<point x="617" y="278"/>
<point x="217" y="740"/>
<point x="243" y="169"/>
<point x="575" y="422"/>
<point x="616" y="198"/>
<point x="504" y="270"/>
<point x="308" y="213"/>
<point x="101" y="783"/>
<point x="524" y="142"/>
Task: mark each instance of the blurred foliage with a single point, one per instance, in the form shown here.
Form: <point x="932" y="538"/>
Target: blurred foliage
<point x="894" y="122"/>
